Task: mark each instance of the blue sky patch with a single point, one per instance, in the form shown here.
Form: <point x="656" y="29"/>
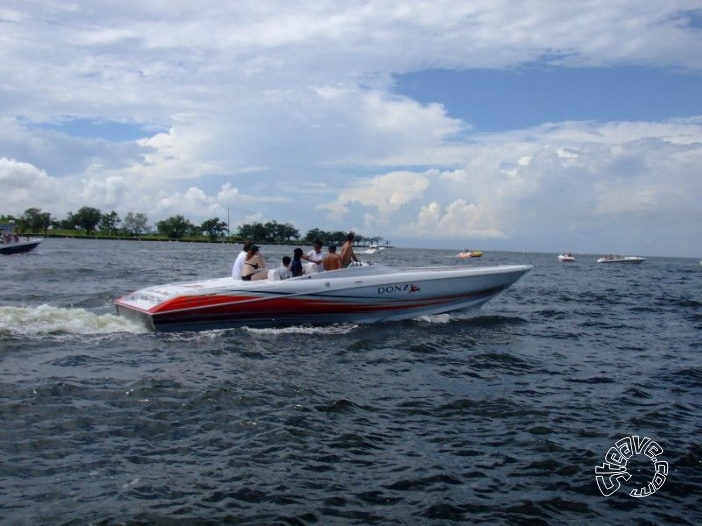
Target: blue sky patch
<point x="109" y="130"/>
<point x="492" y="100"/>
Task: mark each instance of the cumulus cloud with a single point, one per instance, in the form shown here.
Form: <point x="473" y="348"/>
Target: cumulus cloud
<point x="457" y="220"/>
<point x="287" y="111"/>
<point x="27" y="185"/>
<point x="386" y="193"/>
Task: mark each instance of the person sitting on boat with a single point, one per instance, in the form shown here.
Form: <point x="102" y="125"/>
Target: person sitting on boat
<point x="315" y="255"/>
<point x="284" y="269"/>
<point x="239" y="261"/>
<point x="332" y="261"/>
<point x="296" y="265"/>
<point x="254" y="266"/>
<point x="347" y="253"/>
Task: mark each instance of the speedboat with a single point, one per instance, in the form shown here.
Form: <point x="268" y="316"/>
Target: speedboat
<point x="373" y="248"/>
<point x="469" y="254"/>
<point x="566" y="258"/>
<point x="12" y="243"/>
<point x="613" y="258"/>
<point x="367" y="293"/>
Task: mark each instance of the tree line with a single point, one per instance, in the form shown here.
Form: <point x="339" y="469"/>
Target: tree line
<point x="93" y="221"/>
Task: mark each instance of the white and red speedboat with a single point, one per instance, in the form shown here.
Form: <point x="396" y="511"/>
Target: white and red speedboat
<point x="361" y="294"/>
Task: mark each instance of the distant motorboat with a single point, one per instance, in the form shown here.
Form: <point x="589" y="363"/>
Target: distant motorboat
<point x="566" y="258"/>
<point x="372" y="249"/>
<point x="467" y="253"/>
<point x="614" y="258"/>
<point x="12" y="243"/>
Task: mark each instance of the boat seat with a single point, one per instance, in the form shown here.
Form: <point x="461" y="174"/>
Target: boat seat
<point x="274" y="275"/>
<point x="310" y="268"/>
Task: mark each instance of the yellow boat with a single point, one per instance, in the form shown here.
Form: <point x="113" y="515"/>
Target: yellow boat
<point x="469" y="254"/>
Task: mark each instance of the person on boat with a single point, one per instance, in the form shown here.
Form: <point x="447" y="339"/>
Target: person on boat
<point x="239" y="261"/>
<point x="315" y="255"/>
<point x="347" y="253"/>
<point x="254" y="266"/>
<point x="332" y="261"/>
<point x="296" y="265"/>
<point x="284" y="268"/>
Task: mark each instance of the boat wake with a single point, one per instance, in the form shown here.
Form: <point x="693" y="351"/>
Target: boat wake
<point x="48" y="320"/>
<point x="304" y="329"/>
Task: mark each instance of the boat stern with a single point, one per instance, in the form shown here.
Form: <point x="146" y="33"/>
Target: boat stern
<point x="139" y="306"/>
<point x="129" y="312"/>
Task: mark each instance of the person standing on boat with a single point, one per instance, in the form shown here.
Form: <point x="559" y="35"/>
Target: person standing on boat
<point x="296" y="265"/>
<point x="347" y="253"/>
<point x="254" y="266"/>
<point x="315" y="255"/>
<point x="332" y="261"/>
<point x="239" y="261"/>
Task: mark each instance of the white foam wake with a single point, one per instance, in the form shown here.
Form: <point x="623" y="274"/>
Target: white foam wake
<point x="300" y="329"/>
<point x="45" y="319"/>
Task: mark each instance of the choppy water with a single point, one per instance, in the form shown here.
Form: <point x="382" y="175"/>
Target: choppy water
<point x="498" y="417"/>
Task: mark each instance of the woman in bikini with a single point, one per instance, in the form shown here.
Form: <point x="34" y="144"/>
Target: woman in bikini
<point x="254" y="266"/>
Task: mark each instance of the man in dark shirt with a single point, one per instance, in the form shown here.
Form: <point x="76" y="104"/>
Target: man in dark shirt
<point x="296" y="265"/>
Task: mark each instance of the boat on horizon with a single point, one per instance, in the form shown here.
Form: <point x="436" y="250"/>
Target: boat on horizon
<point x="468" y="253"/>
<point x="615" y="258"/>
<point x="367" y="293"/>
<point x="566" y="258"/>
<point x="372" y="249"/>
<point x="12" y="243"/>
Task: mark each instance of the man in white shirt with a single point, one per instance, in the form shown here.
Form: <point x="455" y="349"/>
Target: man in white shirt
<point x="239" y="261"/>
<point x="315" y="255"/>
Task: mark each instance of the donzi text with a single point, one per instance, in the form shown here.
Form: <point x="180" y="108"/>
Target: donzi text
<point x="406" y="287"/>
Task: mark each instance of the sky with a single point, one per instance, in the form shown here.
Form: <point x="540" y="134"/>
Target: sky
<point x="539" y="125"/>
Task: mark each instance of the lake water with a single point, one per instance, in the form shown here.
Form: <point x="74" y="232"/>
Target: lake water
<point x="499" y="416"/>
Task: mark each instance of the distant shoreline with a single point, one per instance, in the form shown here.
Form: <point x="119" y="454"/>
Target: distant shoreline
<point x="180" y="240"/>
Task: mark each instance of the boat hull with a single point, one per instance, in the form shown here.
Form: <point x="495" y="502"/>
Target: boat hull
<point x="626" y="259"/>
<point x="345" y="296"/>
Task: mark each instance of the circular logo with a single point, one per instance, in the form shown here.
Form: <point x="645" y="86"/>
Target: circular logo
<point x="608" y="475"/>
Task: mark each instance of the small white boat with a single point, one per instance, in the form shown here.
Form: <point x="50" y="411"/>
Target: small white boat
<point x="566" y="258"/>
<point x="613" y="258"/>
<point x="359" y="294"/>
<point x="373" y="248"/>
<point x="12" y="243"/>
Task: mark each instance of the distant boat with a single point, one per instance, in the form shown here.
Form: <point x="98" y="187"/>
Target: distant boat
<point x="613" y="258"/>
<point x="12" y="243"/>
<point x="372" y="249"/>
<point x="566" y="258"/>
<point x="467" y="253"/>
